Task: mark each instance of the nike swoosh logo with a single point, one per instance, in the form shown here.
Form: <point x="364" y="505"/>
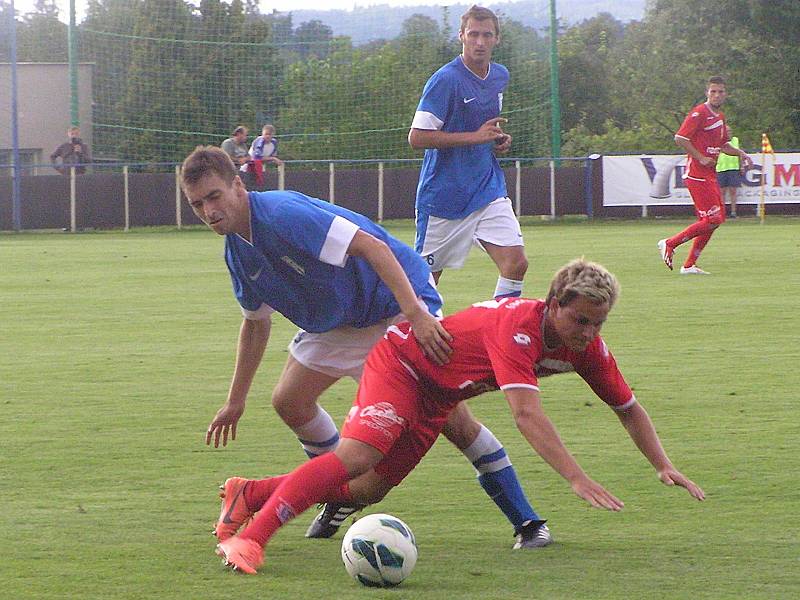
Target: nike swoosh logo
<point x="227" y="518"/>
<point x="468" y="100"/>
<point x="255" y="275"/>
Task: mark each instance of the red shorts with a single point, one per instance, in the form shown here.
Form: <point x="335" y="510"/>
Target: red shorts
<point x="393" y="414"/>
<point x="707" y="199"/>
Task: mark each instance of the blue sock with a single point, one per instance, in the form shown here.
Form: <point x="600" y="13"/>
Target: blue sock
<point x="499" y="480"/>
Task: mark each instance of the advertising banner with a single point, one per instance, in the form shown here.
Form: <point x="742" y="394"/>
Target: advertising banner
<point x="658" y="180"/>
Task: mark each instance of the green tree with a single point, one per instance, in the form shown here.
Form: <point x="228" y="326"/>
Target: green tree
<point x="42" y="37"/>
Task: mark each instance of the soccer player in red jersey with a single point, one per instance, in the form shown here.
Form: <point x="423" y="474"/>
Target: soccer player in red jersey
<point x="403" y="401"/>
<point x="703" y="135"/>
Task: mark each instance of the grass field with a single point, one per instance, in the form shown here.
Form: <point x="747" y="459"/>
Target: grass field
<point x="117" y="350"/>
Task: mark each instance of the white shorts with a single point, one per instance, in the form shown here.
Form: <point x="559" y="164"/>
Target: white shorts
<point x="340" y="352"/>
<point x="446" y="242"/>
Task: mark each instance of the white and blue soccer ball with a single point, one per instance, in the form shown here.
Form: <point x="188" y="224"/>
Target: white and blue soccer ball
<point x="379" y="550"/>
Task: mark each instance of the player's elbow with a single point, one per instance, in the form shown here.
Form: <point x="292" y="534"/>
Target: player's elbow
<point x="415" y="139"/>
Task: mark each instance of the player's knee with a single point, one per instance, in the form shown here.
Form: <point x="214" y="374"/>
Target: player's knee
<point x="461" y="429"/>
<point x="357" y="457"/>
<point x="295" y="412"/>
<point x="369" y="489"/>
<point x="514" y="267"/>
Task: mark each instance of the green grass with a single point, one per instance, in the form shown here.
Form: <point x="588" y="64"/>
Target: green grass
<point x="117" y="351"/>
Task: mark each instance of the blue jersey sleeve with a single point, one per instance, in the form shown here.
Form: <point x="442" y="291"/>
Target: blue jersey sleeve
<point x="436" y="99"/>
<point x="321" y="234"/>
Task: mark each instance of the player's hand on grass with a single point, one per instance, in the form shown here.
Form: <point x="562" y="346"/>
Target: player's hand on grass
<point x="491" y="131"/>
<point x="224" y="424"/>
<point x="672" y="476"/>
<point x="596" y="495"/>
<point x="431" y="336"/>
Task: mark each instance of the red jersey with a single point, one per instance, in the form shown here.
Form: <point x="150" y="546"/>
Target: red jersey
<point x="499" y="344"/>
<point x="707" y="132"/>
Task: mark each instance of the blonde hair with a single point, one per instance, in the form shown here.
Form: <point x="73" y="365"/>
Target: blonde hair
<point x="205" y="161"/>
<point x="581" y="277"/>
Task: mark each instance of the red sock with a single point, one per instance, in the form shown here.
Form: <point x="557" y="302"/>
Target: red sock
<point x="258" y="491"/>
<point x="341" y="495"/>
<point x="697" y="247"/>
<point x="692" y="231"/>
<point x="308" y="484"/>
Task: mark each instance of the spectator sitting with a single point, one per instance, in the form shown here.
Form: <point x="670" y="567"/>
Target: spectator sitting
<point x="73" y="153"/>
<point x="264" y="149"/>
<point x="236" y="147"/>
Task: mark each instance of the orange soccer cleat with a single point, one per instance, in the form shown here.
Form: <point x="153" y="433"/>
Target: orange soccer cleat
<point x="234" y="512"/>
<point x="241" y="554"/>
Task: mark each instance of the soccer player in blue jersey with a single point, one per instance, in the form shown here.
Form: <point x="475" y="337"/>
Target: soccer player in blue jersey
<point x="343" y="280"/>
<point x="461" y="196"/>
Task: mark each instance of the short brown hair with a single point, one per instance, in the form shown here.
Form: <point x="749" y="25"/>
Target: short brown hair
<point x="715" y="80"/>
<point x="240" y="129"/>
<point x="479" y="13"/>
<point x="205" y="161"/>
<point x="581" y="277"/>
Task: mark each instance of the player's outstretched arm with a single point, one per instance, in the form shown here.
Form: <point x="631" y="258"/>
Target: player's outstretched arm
<point x="541" y="434"/>
<point x="253" y="337"/>
<point x="431" y="336"/>
<point x="640" y="427"/>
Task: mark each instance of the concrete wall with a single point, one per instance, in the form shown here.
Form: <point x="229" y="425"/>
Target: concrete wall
<point x="43" y="106"/>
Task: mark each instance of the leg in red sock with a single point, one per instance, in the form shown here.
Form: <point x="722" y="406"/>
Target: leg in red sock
<point x="697" y="247"/>
<point x="702" y="227"/>
<point x="258" y="491"/>
<point x="308" y="484"/>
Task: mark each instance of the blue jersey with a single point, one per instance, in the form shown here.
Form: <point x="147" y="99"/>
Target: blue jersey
<point x="299" y="266"/>
<point x="455" y="182"/>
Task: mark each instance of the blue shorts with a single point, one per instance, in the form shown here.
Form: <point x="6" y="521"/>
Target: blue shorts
<point x="732" y="179"/>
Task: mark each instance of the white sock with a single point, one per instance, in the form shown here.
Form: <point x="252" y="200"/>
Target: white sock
<point x="486" y="453"/>
<point x="507" y="288"/>
<point x="319" y="435"/>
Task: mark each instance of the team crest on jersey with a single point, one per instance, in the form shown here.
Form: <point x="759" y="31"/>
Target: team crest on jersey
<point x="523" y="339"/>
<point x="293" y="264"/>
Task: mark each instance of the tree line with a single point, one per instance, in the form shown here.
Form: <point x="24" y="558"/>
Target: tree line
<point x="169" y="75"/>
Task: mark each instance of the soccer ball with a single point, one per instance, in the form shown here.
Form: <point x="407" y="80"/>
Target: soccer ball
<point x="379" y="550"/>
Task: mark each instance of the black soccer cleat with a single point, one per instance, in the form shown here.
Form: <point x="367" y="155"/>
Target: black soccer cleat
<point x="533" y="534"/>
<point x="327" y="522"/>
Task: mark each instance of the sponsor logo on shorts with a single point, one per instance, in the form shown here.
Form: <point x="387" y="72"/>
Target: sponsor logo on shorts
<point x="383" y="414"/>
<point x="714" y="210"/>
<point x="381" y="417"/>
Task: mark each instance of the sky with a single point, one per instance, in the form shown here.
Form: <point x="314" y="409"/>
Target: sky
<point x="23" y="6"/>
